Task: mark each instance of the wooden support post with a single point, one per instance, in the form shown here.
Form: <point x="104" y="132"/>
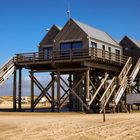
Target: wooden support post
<point x="105" y="85"/>
<point x="19" y="89"/>
<point x="58" y="91"/>
<point x="32" y="92"/>
<point x="53" y="98"/>
<point x="104" y="111"/>
<point x="70" y="95"/>
<point x="14" y="90"/>
<point x="87" y="85"/>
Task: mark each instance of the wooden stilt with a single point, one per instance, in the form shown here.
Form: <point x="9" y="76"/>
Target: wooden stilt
<point x="53" y="98"/>
<point x="14" y="90"/>
<point x="19" y="89"/>
<point x="58" y="91"/>
<point x="74" y="93"/>
<point x="32" y="92"/>
<point x="87" y="85"/>
<point x="70" y="95"/>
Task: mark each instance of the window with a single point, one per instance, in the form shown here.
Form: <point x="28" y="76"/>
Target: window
<point x="75" y="47"/>
<point x="65" y="46"/>
<point x="47" y="52"/>
<point x="65" y="49"/>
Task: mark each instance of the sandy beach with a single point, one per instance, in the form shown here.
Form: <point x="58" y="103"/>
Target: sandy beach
<point x="68" y="126"/>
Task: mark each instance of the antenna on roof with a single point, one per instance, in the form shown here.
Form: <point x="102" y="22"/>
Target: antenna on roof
<point x="68" y="12"/>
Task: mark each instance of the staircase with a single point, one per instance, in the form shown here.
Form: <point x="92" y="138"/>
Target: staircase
<point x="122" y="83"/>
<point x="6" y="70"/>
<point x="107" y="94"/>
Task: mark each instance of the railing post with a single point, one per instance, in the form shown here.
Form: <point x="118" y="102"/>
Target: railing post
<point x="34" y="55"/>
<point x="70" y="54"/>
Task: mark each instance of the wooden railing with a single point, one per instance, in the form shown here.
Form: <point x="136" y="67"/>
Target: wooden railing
<point x="125" y="70"/>
<point x="6" y="70"/>
<point x="122" y="81"/>
<point x="108" y="92"/>
<point x="120" y="91"/>
<point x="90" y="53"/>
<point x="135" y="71"/>
<point x="6" y="66"/>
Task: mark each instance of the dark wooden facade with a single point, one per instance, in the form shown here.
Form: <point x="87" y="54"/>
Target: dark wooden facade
<point x="48" y="39"/>
<point x="71" y="33"/>
<point x="130" y="48"/>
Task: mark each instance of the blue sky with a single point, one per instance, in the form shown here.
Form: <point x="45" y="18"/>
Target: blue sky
<point x="23" y="23"/>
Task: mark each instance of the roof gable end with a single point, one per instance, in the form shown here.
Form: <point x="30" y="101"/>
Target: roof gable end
<point x="54" y="30"/>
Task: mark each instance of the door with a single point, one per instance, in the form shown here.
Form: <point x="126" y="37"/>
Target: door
<point x="48" y="53"/>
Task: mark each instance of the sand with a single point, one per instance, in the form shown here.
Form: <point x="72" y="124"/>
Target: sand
<point x="68" y="126"/>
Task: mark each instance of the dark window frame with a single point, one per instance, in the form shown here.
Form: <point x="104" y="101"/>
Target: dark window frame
<point x="75" y="51"/>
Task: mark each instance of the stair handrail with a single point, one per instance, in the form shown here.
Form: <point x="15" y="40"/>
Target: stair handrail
<point x="6" y="65"/>
<point x="135" y="70"/>
<point x="108" y="91"/>
<point x="122" y="81"/>
<point x="96" y="92"/>
<point x="125" y="69"/>
<point x="121" y="89"/>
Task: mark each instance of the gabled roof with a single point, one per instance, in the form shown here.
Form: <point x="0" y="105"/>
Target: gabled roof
<point x="50" y="32"/>
<point x="96" y="34"/>
<point x="58" y="27"/>
<point x="137" y="43"/>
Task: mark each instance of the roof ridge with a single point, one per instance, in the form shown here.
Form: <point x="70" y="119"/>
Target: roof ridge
<point x="58" y="26"/>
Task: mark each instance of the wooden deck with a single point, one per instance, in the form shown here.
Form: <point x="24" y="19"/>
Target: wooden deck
<point x="66" y="59"/>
